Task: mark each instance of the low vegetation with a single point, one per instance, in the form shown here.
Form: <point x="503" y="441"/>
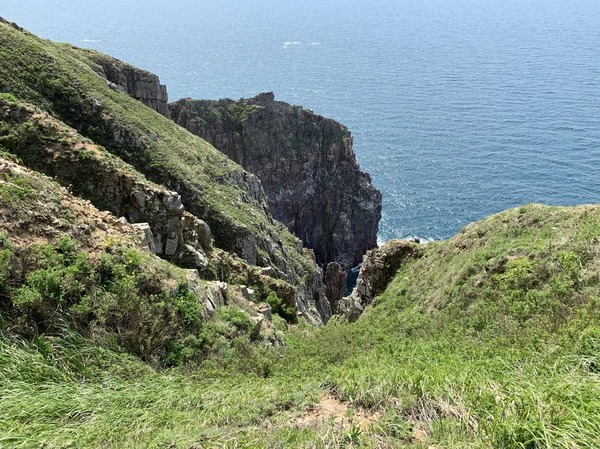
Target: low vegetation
<point x="491" y="339"/>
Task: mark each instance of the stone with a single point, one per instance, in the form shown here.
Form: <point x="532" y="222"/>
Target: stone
<point x="220" y="293"/>
<point x="146" y="237"/>
<point x="265" y="310"/>
<point x="191" y="257"/>
<point x="335" y="284"/>
<point x="171" y="247"/>
<point x="257" y="323"/>
<point x="204" y="234"/>
<point x="139" y="199"/>
<point x="247" y="293"/>
<point x="172" y="201"/>
<point x="137" y="83"/>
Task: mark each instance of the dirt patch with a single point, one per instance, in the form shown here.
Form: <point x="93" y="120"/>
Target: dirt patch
<point x="330" y="410"/>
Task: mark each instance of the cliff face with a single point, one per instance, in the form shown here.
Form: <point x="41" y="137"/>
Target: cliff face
<point x="306" y="165"/>
<point x="137" y="83"/>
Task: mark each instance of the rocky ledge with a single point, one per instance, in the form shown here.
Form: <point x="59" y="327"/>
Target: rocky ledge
<point x="306" y="165"/>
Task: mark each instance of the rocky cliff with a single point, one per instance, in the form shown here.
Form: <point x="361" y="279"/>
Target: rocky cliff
<point x="137" y="83"/>
<point x="306" y="165"/>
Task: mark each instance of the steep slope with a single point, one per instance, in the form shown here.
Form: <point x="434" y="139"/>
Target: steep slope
<point x="64" y="81"/>
<point x="305" y="163"/>
<point x="487" y="340"/>
<point x="66" y="265"/>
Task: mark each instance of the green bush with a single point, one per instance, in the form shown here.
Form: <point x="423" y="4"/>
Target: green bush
<point x="278" y="307"/>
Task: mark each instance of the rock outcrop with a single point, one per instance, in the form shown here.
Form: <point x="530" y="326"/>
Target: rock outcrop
<point x="335" y="284"/>
<point x="137" y="83"/>
<point x="378" y="268"/>
<point x="306" y="165"/>
<point x="90" y="171"/>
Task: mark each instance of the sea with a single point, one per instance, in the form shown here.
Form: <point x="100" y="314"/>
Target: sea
<point x="459" y="108"/>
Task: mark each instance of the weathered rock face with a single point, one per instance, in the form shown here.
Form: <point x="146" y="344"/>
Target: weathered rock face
<point x="211" y="186"/>
<point x="335" y="284"/>
<point x="137" y="83"/>
<point x="378" y="268"/>
<point x="306" y="165"/>
<point x="159" y="215"/>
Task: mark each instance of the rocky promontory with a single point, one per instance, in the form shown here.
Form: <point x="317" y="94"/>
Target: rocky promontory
<point x="306" y="165"/>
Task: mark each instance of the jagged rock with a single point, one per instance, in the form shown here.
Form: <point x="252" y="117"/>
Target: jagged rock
<point x="248" y="293"/>
<point x="204" y="234"/>
<point x="131" y="198"/>
<point x="378" y="268"/>
<point x="170" y="247"/>
<point x="212" y="294"/>
<point x="137" y="83"/>
<point x="172" y="201"/>
<point x="257" y="324"/>
<point x="306" y="165"/>
<point x="219" y="294"/>
<point x="335" y="284"/>
<point x="265" y="309"/>
<point x="193" y="258"/>
<point x="146" y="236"/>
<point x="139" y="198"/>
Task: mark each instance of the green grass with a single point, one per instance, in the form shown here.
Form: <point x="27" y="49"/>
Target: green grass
<point x="442" y="356"/>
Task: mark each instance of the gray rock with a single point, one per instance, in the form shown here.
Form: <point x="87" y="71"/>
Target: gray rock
<point x="248" y="293"/>
<point x="266" y="310"/>
<point x="171" y="247"/>
<point x="146" y="236"/>
<point x="306" y="165"/>
<point x="139" y="84"/>
<point x="257" y="322"/>
<point x="139" y="199"/>
<point x="204" y="235"/>
<point x="378" y="268"/>
<point x="335" y="284"/>
<point x="172" y="200"/>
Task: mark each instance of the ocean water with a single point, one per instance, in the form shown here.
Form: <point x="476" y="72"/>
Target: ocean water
<point x="459" y="108"/>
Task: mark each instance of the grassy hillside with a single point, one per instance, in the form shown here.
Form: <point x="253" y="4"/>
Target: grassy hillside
<point x="490" y="339"/>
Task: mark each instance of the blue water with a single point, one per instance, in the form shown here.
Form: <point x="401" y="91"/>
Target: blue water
<point x="460" y="108"/>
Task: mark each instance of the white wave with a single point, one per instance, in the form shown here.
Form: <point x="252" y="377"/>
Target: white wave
<point x="422" y="240"/>
<point x="90" y="40"/>
<point x="292" y="43"/>
<point x="315" y="43"/>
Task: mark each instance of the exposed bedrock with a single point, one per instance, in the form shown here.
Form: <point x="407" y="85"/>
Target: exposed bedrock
<point x="137" y="83"/>
<point x="306" y="165"/>
<point x="378" y="268"/>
